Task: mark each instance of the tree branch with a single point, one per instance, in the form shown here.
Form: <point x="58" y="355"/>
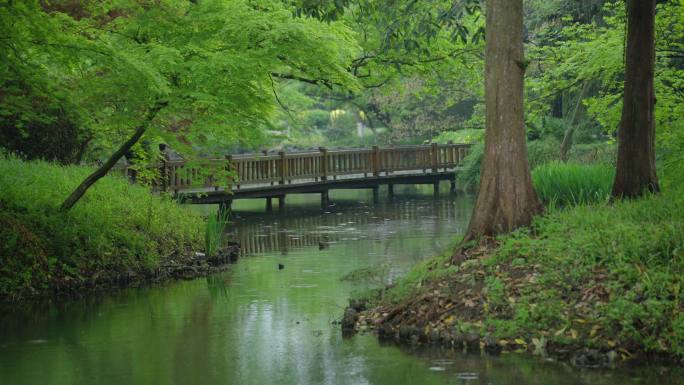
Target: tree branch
<point x="317" y="82"/>
<point x="96" y="175"/>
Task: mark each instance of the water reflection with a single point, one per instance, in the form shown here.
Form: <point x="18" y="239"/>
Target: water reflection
<point x="258" y="324"/>
<point x="348" y="222"/>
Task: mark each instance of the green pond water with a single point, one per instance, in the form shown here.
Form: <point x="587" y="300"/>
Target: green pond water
<point x="258" y="324"/>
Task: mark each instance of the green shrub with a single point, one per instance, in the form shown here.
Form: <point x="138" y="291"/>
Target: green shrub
<point x="116" y="227"/>
<point x="542" y="151"/>
<point x="468" y="178"/>
<point x="592" y="153"/>
<point x="570" y="184"/>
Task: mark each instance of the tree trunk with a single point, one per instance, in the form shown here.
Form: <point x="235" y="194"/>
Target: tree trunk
<point x="636" y="169"/>
<point x="506" y="199"/>
<point x="104" y="169"/>
<point x="566" y="144"/>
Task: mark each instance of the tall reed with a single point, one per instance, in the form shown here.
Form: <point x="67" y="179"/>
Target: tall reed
<point x="571" y="184"/>
<point x="214" y="239"/>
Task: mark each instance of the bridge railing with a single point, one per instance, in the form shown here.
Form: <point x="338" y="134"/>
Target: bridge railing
<point x="311" y="166"/>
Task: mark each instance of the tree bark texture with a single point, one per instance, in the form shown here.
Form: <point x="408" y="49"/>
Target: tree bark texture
<point x="506" y="199"/>
<point x="636" y="168"/>
<point x="101" y="171"/>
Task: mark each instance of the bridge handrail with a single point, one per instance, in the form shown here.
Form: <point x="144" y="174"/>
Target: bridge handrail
<point x="310" y="166"/>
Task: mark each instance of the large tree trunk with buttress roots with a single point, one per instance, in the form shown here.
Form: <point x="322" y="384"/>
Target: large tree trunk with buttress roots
<point x="506" y="199"/>
<point x="636" y="169"/>
<point x="104" y="169"/>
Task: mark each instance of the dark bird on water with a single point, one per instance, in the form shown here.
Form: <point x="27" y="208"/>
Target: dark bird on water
<point x="281" y="266"/>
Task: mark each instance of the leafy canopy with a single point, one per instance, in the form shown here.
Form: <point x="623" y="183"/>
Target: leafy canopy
<point x="212" y="63"/>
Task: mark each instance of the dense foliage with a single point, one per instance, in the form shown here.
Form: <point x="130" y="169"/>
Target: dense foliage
<point x="327" y="73"/>
<point x="429" y="87"/>
<point x="94" y="70"/>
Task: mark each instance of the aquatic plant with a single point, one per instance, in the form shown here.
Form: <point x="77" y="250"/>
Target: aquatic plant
<point x="214" y="239"/>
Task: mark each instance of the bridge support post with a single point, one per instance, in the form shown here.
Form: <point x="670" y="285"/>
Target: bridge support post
<point x="325" y="199"/>
<point x="390" y="190"/>
<point x="376" y="195"/>
<point x="452" y="185"/>
<point x="435" y="189"/>
<point x="269" y="205"/>
<point x="281" y="202"/>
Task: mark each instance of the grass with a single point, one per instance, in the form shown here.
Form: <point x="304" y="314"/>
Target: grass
<point x="616" y="270"/>
<point x="572" y="184"/>
<point x="540" y="152"/>
<point x="116" y="228"/>
<point x="604" y="276"/>
<point x="214" y="232"/>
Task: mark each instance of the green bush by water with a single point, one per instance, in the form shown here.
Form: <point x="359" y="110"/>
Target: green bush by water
<point x="117" y="227"/>
<point x="571" y="184"/>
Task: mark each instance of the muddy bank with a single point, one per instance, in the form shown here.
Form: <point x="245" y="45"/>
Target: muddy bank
<point x="188" y="266"/>
<point x="466" y="302"/>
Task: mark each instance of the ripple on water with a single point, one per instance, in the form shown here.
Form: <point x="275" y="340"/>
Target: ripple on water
<point x="443" y="362"/>
<point x="303" y="286"/>
<point x="467" y="376"/>
<point x="437" y="368"/>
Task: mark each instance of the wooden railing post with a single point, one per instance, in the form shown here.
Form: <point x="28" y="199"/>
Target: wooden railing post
<point x="375" y="160"/>
<point x="283" y="167"/>
<point x="435" y="157"/>
<point x="229" y="168"/>
<point x="451" y="158"/>
<point x="324" y="163"/>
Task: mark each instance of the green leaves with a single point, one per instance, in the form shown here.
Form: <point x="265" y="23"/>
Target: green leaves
<point x="212" y="60"/>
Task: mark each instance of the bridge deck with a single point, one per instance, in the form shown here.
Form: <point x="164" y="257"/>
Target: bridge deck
<point x="207" y="196"/>
<point x="276" y="175"/>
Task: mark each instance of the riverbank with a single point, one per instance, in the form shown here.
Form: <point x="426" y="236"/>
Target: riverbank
<point x="594" y="285"/>
<point x="117" y="235"/>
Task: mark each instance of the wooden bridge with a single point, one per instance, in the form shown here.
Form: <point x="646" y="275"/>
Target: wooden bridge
<point x="276" y="175"/>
